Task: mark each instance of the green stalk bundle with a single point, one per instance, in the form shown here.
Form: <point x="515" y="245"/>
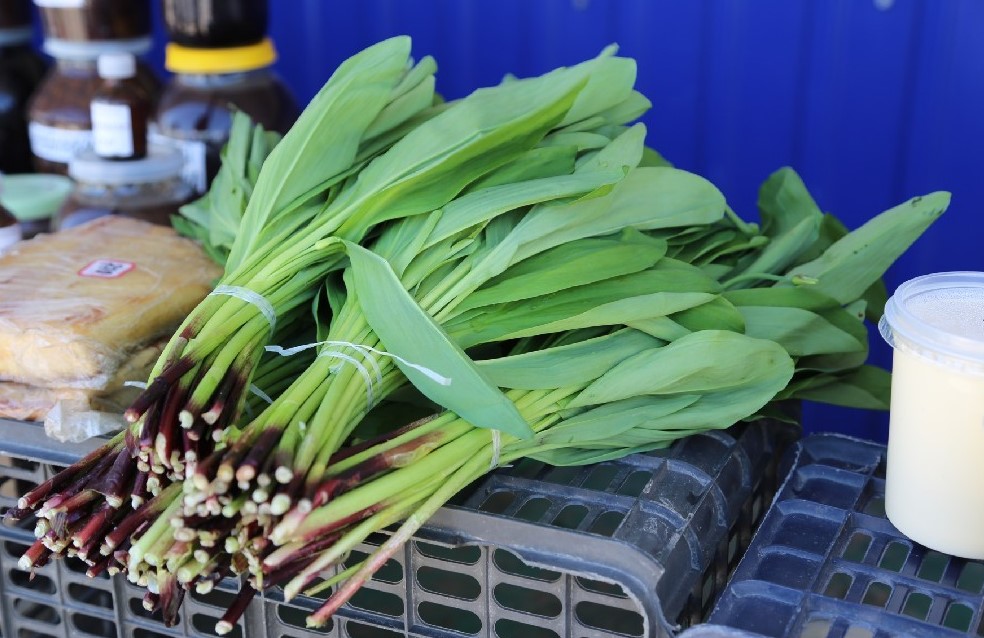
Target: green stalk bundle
<point x="516" y="265"/>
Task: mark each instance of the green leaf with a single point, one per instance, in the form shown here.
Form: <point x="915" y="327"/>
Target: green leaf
<point x="716" y="314"/>
<point x="316" y="147"/>
<point x="868" y="388"/>
<point x="580" y="262"/>
<point x="856" y="261"/>
<point x="662" y="328"/>
<point x="620" y="312"/>
<point x="607" y="422"/>
<point x="801" y="332"/>
<point x="648" y="198"/>
<point x="408" y="332"/>
<point x="438" y="159"/>
<point x="703" y="362"/>
<point x="569" y="365"/>
<point x="482" y="205"/>
<point x="791" y="220"/>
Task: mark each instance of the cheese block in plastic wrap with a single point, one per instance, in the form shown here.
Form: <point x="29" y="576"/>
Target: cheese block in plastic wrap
<point x="76" y="305"/>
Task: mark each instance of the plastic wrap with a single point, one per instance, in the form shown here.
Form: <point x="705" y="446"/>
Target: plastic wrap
<point x="72" y="414"/>
<point x="77" y="308"/>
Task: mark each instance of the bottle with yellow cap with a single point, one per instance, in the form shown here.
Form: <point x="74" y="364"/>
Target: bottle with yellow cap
<point x="195" y="111"/>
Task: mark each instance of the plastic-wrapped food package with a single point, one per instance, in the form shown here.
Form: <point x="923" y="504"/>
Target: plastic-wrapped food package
<point x="32" y="403"/>
<point x="77" y="305"/>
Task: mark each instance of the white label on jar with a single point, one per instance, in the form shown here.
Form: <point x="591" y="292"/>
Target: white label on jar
<point x="107" y="268"/>
<point x="57" y="144"/>
<point x="112" y="129"/>
<point x="193" y="151"/>
<point x="9" y="235"/>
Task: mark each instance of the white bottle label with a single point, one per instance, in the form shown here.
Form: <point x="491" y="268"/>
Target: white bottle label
<point x="9" y="235"/>
<point x="193" y="151"/>
<point x="112" y="129"/>
<point x="57" y="144"/>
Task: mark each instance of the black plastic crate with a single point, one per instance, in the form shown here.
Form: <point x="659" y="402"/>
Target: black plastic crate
<point x="635" y="547"/>
<point x="826" y="562"/>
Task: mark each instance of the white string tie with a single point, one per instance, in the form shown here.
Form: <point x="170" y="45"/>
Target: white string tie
<point x="260" y="393"/>
<point x="362" y="370"/>
<point x="250" y="297"/>
<point x="496" y="449"/>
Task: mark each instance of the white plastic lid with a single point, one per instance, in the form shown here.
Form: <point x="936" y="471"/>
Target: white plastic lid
<point x="162" y="163"/>
<point x="116" y="66"/>
<point x="91" y="50"/>
<point x="941" y="317"/>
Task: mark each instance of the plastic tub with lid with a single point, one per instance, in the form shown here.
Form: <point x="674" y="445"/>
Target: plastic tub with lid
<point x="150" y="189"/>
<point x="935" y="475"/>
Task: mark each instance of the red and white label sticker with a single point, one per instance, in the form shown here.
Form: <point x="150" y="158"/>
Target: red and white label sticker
<point x="107" y="268"/>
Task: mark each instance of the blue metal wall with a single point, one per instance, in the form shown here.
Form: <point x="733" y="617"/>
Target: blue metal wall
<point x="873" y="101"/>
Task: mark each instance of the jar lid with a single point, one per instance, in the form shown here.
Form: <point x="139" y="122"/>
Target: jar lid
<point x="116" y="66"/>
<point x="34" y="196"/>
<point x="15" y="36"/>
<point x="162" y="163"/>
<point x="941" y="317"/>
<point x="181" y="59"/>
<point x="91" y="50"/>
<point x="60" y="4"/>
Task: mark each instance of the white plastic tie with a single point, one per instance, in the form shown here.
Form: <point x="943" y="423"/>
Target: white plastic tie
<point x="496" y="449"/>
<point x="135" y="384"/>
<point x="365" y="350"/>
<point x="250" y="297"/>
<point x="364" y="371"/>
<point x="260" y="393"/>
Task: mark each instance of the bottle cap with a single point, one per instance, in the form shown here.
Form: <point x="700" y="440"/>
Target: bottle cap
<point x="116" y="66"/>
<point x="180" y="59"/>
<point x="161" y="163"/>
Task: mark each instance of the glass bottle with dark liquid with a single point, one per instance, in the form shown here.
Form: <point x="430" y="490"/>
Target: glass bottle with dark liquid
<point x="119" y="110"/>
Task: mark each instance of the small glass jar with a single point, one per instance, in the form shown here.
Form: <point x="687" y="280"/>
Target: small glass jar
<point x="196" y="107"/>
<point x="119" y="110"/>
<point x="149" y="189"/>
<point x="215" y="23"/>
<point x="95" y="20"/>
<point x="60" y="123"/>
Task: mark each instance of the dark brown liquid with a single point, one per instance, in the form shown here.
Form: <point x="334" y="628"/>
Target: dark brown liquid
<point x="130" y="94"/>
<point x="21" y="71"/>
<point x="98" y="20"/>
<point x="63" y="100"/>
<point x="15" y="13"/>
<point x="204" y="113"/>
<point x="215" y="23"/>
